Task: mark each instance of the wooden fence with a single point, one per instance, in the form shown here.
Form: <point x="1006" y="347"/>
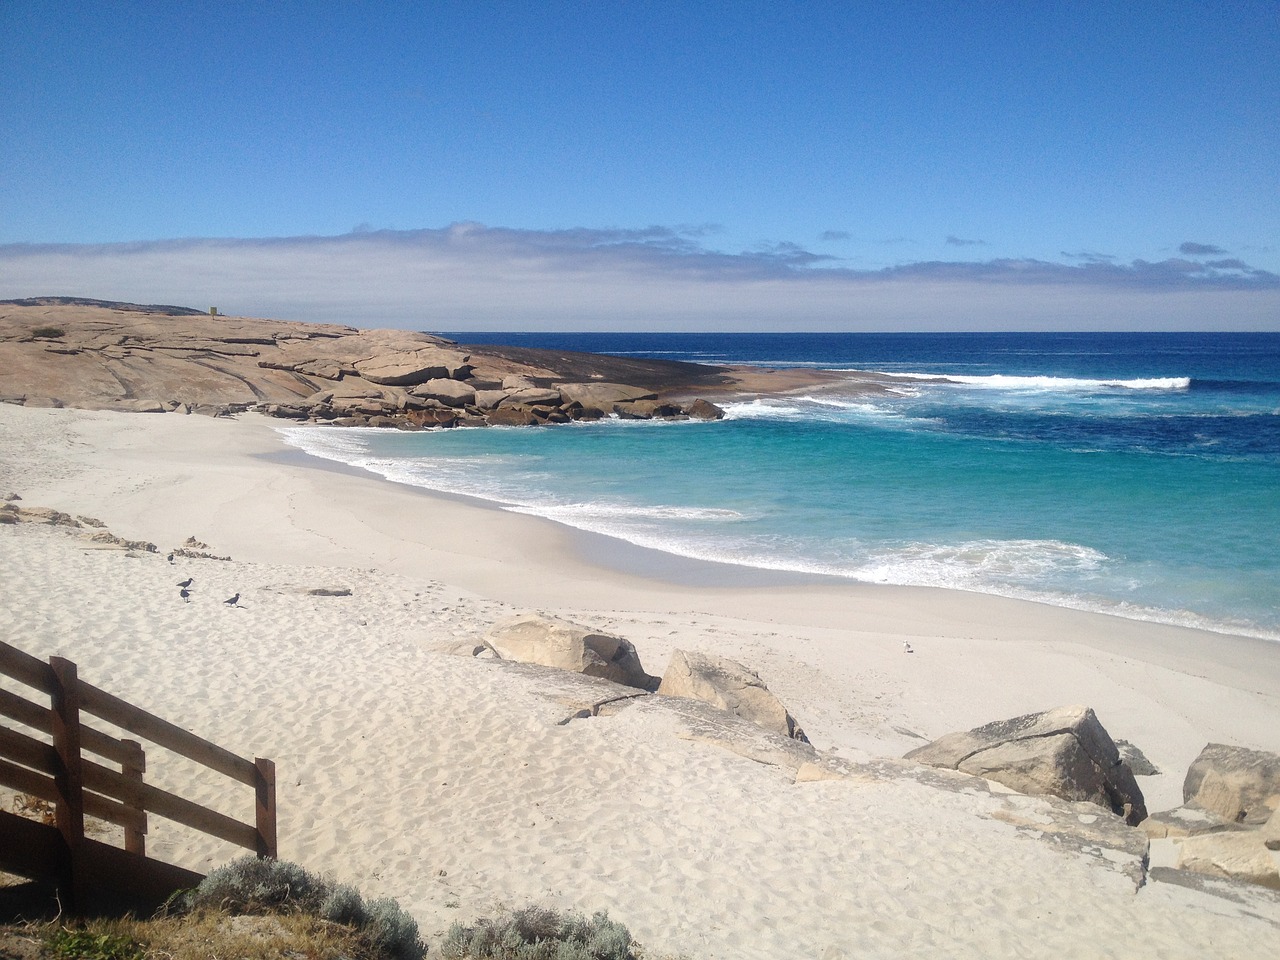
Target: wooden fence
<point x="91" y="876"/>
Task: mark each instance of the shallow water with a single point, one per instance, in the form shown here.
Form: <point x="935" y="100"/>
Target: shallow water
<point x="1135" y="474"/>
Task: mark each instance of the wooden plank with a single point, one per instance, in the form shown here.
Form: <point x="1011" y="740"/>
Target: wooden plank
<point x="170" y="806"/>
<point x="68" y="810"/>
<point x="28" y="751"/>
<point x="34" y="715"/>
<point x="27" y="781"/>
<point x="25" y="668"/>
<point x="39" y="718"/>
<point x="103" y="808"/>
<point x="265" y="808"/>
<point x="132" y="769"/>
<point x="171" y="736"/>
<point x="66" y="741"/>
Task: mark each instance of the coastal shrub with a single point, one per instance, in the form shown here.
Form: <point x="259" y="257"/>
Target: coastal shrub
<point x="538" y="933"/>
<point x="344" y="905"/>
<point x="388" y="928"/>
<point x="52" y="332"/>
<point x="252" y="885"/>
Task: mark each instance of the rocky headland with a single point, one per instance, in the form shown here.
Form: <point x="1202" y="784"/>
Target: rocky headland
<point x="93" y="354"/>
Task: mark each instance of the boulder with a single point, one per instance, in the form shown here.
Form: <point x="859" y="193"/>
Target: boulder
<point x="1271" y="832"/>
<point x="1236" y="783"/>
<point x="704" y="410"/>
<point x="1237" y="855"/>
<point x="533" y="396"/>
<point x="406" y="368"/>
<point x="449" y="392"/>
<point x="730" y="686"/>
<point x="1136" y="759"/>
<point x="1063" y="753"/>
<point x="488" y="399"/>
<point x="530" y="638"/>
<point x="602" y="396"/>
<point x="517" y="415"/>
<point x="1183" y="822"/>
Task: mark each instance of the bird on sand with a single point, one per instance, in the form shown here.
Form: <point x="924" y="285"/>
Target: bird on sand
<point x="171" y="558"/>
<point x="185" y="594"/>
<point x="187" y="582"/>
<point x="232" y="601"/>
<point x="906" y="647"/>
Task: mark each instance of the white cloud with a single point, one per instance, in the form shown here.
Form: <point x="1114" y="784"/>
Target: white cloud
<point x="468" y="276"/>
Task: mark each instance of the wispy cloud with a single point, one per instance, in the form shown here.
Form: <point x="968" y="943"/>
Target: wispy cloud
<point x="1087" y="255"/>
<point x="470" y="276"/>
<point x="1190" y="249"/>
<point x="953" y="241"/>
<point x="829" y="235"/>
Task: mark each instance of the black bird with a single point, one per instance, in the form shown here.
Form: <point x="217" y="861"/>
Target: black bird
<point x="185" y="594"/>
<point x="171" y="558"/>
<point x="187" y="582"/>
<point x="232" y="601"/>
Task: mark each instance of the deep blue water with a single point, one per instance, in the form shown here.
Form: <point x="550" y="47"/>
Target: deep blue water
<point x="1137" y="474"/>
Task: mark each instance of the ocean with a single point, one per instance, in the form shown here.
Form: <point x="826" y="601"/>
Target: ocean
<point x="1136" y="474"/>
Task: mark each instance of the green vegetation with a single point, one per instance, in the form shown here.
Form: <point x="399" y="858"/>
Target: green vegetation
<point x="52" y="333"/>
<point x="253" y="886"/>
<point x="536" y="933"/>
<point x="67" y="944"/>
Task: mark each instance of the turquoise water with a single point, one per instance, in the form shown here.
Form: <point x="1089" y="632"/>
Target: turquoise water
<point x="1136" y="475"/>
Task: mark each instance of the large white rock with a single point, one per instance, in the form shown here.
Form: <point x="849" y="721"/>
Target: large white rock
<point x="1063" y="753"/>
<point x="551" y="642"/>
<point x="730" y="686"/>
<point x="1237" y="854"/>
<point x="602" y="396"/>
<point x="409" y="367"/>
<point x="1238" y="784"/>
<point x="1271" y="832"/>
<point x="449" y="392"/>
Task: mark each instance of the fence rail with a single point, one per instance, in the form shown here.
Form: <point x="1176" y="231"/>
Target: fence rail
<point x="60" y="773"/>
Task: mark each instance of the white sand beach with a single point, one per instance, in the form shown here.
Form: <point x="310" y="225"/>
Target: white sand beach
<point x="449" y="783"/>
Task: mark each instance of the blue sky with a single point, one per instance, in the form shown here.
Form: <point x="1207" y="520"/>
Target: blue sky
<point x="650" y="165"/>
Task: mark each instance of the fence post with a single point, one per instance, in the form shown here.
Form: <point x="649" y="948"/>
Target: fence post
<point x="133" y="767"/>
<point x="69" y="809"/>
<point x="266" y="807"/>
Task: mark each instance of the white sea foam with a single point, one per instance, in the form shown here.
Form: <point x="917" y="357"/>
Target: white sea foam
<point x="1074" y="384"/>
<point x="569" y="512"/>
<point x="979" y="564"/>
<point x="1036" y="570"/>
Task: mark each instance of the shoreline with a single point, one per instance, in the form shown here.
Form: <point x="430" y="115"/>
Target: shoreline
<point x="320" y="511"/>
<point x="656" y="564"/>
<point x="452" y="784"/>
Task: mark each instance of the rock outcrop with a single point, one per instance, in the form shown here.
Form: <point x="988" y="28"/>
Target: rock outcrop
<point x="731" y="687"/>
<point x="1236" y="783"/>
<point x="62" y="352"/>
<point x="1064" y="753"/>
<point x="551" y="642"/>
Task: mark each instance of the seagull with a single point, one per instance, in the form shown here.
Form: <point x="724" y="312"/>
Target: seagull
<point x="232" y="601"/>
<point x="185" y="594"/>
<point x="906" y="647"/>
<point x="187" y="582"/>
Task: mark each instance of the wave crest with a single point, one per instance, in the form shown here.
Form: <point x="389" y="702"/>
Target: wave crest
<point x="1000" y="381"/>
